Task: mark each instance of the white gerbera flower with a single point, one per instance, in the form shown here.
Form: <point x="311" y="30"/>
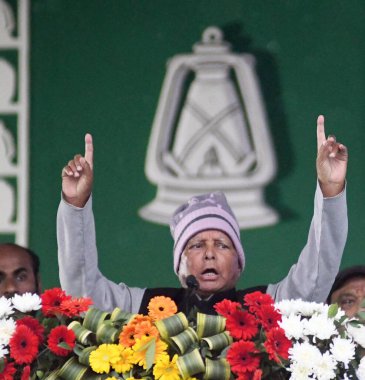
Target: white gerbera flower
<point x="361" y="370"/>
<point x="6" y="308"/>
<point x="287" y="307"/>
<point x="27" y="302"/>
<point x="326" y="368"/>
<point x="320" y="326"/>
<point x="3" y="351"/>
<point x="343" y="350"/>
<point x="306" y="354"/>
<point x="305" y="308"/>
<point x="357" y="333"/>
<point x="299" y="372"/>
<point x="310" y="308"/>
<point x="7" y="328"/>
<point x="293" y="326"/>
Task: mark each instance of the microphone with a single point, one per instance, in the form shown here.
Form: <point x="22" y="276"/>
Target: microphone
<point x="192" y="285"/>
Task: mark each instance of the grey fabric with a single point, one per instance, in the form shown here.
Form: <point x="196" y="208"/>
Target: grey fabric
<point x="78" y="262"/>
<point x="310" y="278"/>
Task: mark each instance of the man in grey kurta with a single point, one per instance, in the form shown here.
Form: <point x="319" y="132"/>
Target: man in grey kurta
<point x="309" y="279"/>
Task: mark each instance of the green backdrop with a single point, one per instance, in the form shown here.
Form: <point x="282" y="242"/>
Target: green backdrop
<point x="98" y="67"/>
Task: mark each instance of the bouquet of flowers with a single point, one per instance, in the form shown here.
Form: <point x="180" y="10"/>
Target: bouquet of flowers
<point x="326" y="343"/>
<point x="261" y="347"/>
<point x="34" y="338"/>
<point x="55" y="336"/>
<point x="293" y="339"/>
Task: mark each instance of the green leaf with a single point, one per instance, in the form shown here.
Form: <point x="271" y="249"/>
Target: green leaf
<point x="333" y="310"/>
<point x="343" y="319"/>
<point x="64" y="345"/>
<point x="78" y="349"/>
<point x="355" y="323"/>
<point x="150" y="354"/>
<point x="2" y="364"/>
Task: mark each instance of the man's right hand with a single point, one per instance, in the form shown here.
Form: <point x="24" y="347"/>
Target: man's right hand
<point x="77" y="176"/>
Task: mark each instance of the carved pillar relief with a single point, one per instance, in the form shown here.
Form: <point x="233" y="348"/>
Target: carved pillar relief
<point x="14" y="78"/>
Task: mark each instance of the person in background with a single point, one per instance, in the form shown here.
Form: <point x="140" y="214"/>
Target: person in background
<point x="19" y="270"/>
<point x="208" y="254"/>
<point x="348" y="290"/>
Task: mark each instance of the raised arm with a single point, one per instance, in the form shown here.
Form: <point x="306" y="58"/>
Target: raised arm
<point x="312" y="276"/>
<point x="77" y="251"/>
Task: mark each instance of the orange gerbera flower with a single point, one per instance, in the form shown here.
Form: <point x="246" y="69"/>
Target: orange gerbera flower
<point x="139" y="318"/>
<point x="145" y="328"/>
<point x="161" y="307"/>
<point x="126" y="337"/>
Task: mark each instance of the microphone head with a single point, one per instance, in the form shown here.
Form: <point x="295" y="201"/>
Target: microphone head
<point x="192" y="282"/>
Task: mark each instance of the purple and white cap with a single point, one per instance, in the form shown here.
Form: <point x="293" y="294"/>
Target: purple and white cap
<point x="204" y="212"/>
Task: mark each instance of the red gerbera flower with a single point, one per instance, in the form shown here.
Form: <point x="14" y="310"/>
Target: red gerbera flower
<point x="25" y="373"/>
<point x="244" y="376"/>
<point x="52" y="300"/>
<point x="23" y="345"/>
<point x="243" y="357"/>
<point x="34" y="325"/>
<point x="75" y="306"/>
<point x="256" y="375"/>
<point x="269" y="317"/>
<point x="277" y="344"/>
<point x="226" y="307"/>
<point x="61" y="334"/>
<point x="8" y="372"/>
<point x="256" y="300"/>
<point x="241" y="324"/>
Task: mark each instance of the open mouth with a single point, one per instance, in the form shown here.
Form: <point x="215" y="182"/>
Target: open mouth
<point x="209" y="273"/>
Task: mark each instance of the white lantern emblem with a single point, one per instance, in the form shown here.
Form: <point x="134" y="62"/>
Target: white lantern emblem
<point x="210" y="133"/>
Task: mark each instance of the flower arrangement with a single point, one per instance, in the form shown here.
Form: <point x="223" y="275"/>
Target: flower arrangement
<point x="261" y="347"/>
<point x="34" y="338"/>
<point x="326" y="343"/>
<point x="293" y="339"/>
<point x="54" y="336"/>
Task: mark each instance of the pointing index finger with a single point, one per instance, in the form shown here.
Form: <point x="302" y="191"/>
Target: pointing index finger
<point x="321" y="137"/>
<point x="89" y="149"/>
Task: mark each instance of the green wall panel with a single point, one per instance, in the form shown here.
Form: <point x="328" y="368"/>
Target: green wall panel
<point x="98" y="67"/>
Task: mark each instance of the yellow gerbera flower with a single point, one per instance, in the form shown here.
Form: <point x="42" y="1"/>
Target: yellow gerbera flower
<point x="111" y="378"/>
<point x="125" y="362"/>
<point x="161" y="307"/>
<point x="141" y="347"/>
<point x="103" y="356"/>
<point x="165" y="369"/>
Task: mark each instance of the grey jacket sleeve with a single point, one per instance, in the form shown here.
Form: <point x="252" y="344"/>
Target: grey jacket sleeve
<point x="78" y="262"/>
<point x="311" y="278"/>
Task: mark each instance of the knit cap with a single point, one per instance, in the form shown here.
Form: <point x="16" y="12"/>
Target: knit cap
<point x="204" y="212"/>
